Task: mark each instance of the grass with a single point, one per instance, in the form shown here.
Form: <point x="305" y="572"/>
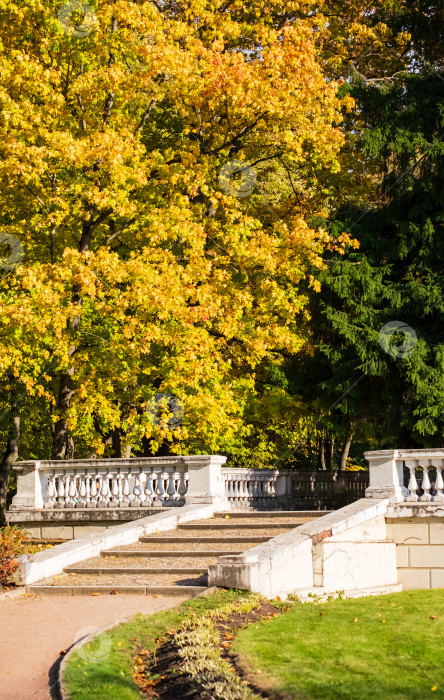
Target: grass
<point x="105" y="668"/>
<point x="389" y="647"/>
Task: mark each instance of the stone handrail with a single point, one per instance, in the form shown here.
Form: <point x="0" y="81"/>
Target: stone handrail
<point x="117" y="483"/>
<point x="387" y="468"/>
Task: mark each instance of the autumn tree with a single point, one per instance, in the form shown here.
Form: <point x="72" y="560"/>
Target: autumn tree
<point x="145" y="272"/>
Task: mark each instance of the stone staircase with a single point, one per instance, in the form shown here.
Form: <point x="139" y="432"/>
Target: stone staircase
<point x="173" y="562"/>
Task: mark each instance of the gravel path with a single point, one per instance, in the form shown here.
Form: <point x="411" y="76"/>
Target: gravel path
<point x="35" y="630"/>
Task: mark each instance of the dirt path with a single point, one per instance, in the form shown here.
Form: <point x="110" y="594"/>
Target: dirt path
<point x="33" y="631"/>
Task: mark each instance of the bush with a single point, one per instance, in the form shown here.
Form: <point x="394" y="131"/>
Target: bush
<point x="13" y="542"/>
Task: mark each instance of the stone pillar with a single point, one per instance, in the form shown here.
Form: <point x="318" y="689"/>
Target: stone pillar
<point x="386" y="475"/>
<point x="32" y="486"/>
<point x="206" y="483"/>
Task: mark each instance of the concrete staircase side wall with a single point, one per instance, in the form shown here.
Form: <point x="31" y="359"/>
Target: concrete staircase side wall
<point x="344" y="550"/>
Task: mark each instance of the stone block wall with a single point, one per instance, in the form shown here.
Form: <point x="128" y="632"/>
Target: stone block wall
<point x="419" y="551"/>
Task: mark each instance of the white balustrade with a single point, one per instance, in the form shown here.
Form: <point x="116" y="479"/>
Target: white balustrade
<point x="387" y="468"/>
<point x="255" y="487"/>
<point x="133" y="483"/>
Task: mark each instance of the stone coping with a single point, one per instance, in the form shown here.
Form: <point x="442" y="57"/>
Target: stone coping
<point x="400" y="453"/>
<point x="80" y="515"/>
<point x="282" y="547"/>
<point x="416" y="510"/>
<point x="34" y="567"/>
<point x="61" y="464"/>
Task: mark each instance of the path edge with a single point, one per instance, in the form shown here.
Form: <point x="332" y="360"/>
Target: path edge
<point x="61" y="688"/>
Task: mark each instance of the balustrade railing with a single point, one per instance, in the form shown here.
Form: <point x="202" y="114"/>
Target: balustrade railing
<point x="144" y="482"/>
<point x="175" y="481"/>
<point x="265" y="487"/>
<point x="115" y="488"/>
<point x="412" y="476"/>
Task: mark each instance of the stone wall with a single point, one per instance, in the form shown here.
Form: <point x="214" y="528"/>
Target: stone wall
<point x="70" y="523"/>
<point x="419" y="550"/>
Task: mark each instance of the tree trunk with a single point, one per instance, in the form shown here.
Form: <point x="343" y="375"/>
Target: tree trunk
<point x="60" y="437"/>
<point x="62" y="446"/>
<point x="11" y="453"/>
<point x="322" y="463"/>
<point x="331" y="464"/>
<point x="346" y="449"/>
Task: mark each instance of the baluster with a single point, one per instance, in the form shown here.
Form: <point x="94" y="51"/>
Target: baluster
<point x="60" y="491"/>
<point x="439" y="485"/>
<point x="126" y="490"/>
<point x="115" y="490"/>
<point x="160" y="490"/>
<point x="82" y="491"/>
<point x="52" y="492"/>
<point x="255" y="489"/>
<point x="149" y="488"/>
<point x="137" y="490"/>
<point x="170" y="488"/>
<point x="183" y="488"/>
<point x="236" y="491"/>
<point x="261" y="489"/>
<point x="142" y="482"/>
<point x="413" y="484"/>
<point x="94" y="490"/>
<point x="104" y="490"/>
<point x="426" y="485"/>
<point x="230" y="486"/>
<point x="72" y="490"/>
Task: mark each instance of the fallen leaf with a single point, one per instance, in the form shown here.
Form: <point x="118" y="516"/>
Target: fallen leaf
<point x="95" y="593"/>
<point x="259" y="671"/>
<point x="227" y="517"/>
<point x="355" y="620"/>
<point x="114" y="592"/>
<point x="383" y="620"/>
<point x="433" y="617"/>
<point x="62" y="653"/>
<point x="277" y="597"/>
<point x="157" y="595"/>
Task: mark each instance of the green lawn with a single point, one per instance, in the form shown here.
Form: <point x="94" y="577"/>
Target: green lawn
<point x="105" y="669"/>
<point x="384" y="647"/>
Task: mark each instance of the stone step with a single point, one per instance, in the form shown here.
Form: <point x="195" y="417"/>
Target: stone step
<point x="109" y="578"/>
<point x="178" y="590"/>
<point x="239" y="526"/>
<point x="135" y="570"/>
<point x="251" y="513"/>
<point x="168" y="553"/>
<point x="254" y="539"/>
